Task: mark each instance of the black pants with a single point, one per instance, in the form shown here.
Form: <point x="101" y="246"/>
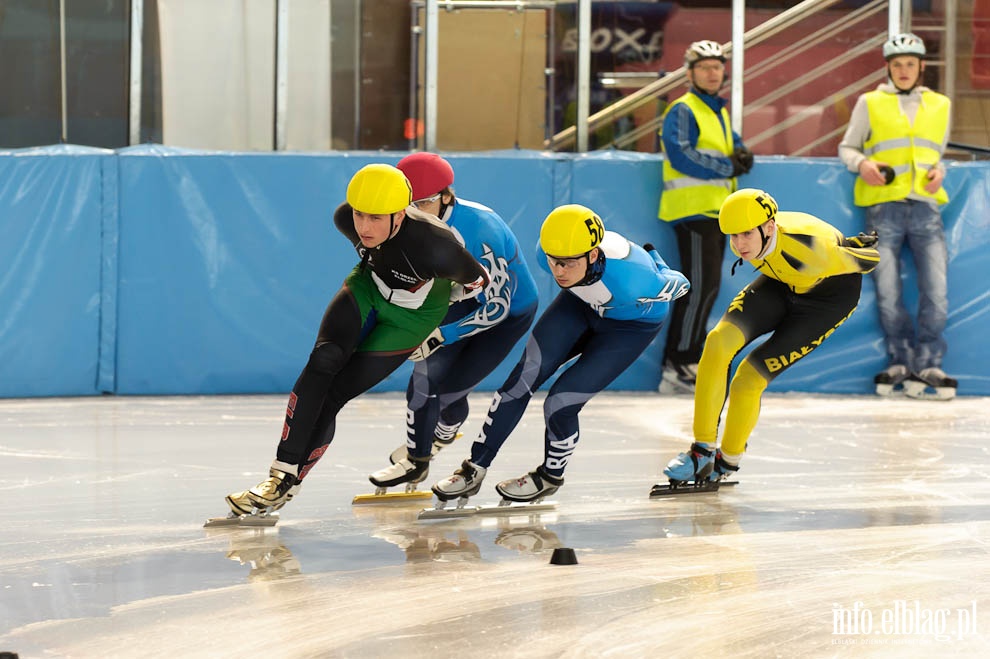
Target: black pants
<point x="701" y="245"/>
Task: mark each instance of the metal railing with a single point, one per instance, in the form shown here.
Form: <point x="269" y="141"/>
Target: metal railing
<point x="678" y="77"/>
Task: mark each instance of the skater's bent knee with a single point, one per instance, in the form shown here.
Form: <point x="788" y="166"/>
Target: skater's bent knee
<point x="327" y="358"/>
<point x="725" y="338"/>
<point x="747" y="380"/>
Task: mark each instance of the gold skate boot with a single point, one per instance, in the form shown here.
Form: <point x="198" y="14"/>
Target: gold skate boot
<point x="269" y="495"/>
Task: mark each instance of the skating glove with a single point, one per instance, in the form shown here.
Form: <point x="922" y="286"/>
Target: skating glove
<point x="428" y="347"/>
<point x="861" y="240"/>
<point x="460" y="292"/>
<point x="742" y="161"/>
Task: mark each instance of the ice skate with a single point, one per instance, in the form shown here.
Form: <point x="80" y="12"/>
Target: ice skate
<point x="534" y="486"/>
<point x="408" y="472"/>
<point x="438" y="444"/>
<point x="463" y="483"/>
<point x="696" y="465"/>
<point x="891" y="380"/>
<point x="698" y="470"/>
<point x="257" y="506"/>
<point x="678" y="379"/>
<point x="931" y="384"/>
<point x="466" y="481"/>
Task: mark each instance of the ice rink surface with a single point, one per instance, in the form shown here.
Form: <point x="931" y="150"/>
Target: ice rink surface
<point x="860" y="527"/>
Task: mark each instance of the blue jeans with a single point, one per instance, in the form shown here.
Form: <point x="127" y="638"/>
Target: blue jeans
<point x="920" y="225"/>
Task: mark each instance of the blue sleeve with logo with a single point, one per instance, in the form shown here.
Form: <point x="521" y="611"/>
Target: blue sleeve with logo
<point x="512" y="289"/>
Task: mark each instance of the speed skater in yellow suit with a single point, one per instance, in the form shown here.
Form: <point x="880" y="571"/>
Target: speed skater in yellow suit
<point x="809" y="284"/>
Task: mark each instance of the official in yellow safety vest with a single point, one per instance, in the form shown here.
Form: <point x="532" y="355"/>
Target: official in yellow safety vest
<point x="895" y="140"/>
<point x="702" y="158"/>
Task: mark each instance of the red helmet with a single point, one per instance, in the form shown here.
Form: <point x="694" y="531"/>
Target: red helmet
<point x="428" y="173"/>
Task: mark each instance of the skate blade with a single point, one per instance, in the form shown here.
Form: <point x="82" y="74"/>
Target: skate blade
<point x="391" y="497"/>
<point x="501" y="510"/>
<point x="667" y="490"/>
<point x="242" y="521"/>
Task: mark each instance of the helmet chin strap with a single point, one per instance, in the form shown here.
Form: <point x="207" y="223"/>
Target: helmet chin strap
<point x="391" y="228"/>
<point x="764" y="241"/>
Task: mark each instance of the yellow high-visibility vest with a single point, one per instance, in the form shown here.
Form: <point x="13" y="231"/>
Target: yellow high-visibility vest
<point x="684" y="196"/>
<point x="911" y="150"/>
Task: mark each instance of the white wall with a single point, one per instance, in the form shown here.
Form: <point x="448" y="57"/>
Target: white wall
<point x="218" y="64"/>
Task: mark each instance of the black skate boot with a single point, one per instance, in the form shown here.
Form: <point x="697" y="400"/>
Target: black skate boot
<point x="891" y="379"/>
<point x="931" y="383"/>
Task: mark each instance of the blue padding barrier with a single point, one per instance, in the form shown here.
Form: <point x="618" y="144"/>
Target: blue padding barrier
<point x="154" y="270"/>
<point x="51" y="254"/>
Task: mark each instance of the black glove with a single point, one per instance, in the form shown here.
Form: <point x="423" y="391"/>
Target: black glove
<point x="648" y="247"/>
<point x="742" y="161"/>
<point x="888" y="174"/>
<point x="862" y="240"/>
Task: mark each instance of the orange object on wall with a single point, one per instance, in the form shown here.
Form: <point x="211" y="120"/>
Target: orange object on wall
<point x="979" y="68"/>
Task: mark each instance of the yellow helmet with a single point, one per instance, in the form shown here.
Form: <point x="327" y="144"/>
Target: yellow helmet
<point x="571" y="230"/>
<point x="379" y="190"/>
<point x="746" y="209"/>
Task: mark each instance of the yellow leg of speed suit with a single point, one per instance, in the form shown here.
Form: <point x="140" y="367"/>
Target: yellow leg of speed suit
<point x="745" y="391"/>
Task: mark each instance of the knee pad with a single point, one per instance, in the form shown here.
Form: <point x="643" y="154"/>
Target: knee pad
<point x="327" y="358"/>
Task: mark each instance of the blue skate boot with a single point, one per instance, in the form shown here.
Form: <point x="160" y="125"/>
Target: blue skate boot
<point x="694" y="466"/>
<point x="700" y="469"/>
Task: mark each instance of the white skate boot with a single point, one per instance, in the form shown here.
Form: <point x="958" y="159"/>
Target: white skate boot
<point x="891" y="379"/>
<point x="531" y="487"/>
<point x="463" y="483"/>
<point x="408" y="470"/>
<point x="678" y="379"/>
<point x="931" y="383"/>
